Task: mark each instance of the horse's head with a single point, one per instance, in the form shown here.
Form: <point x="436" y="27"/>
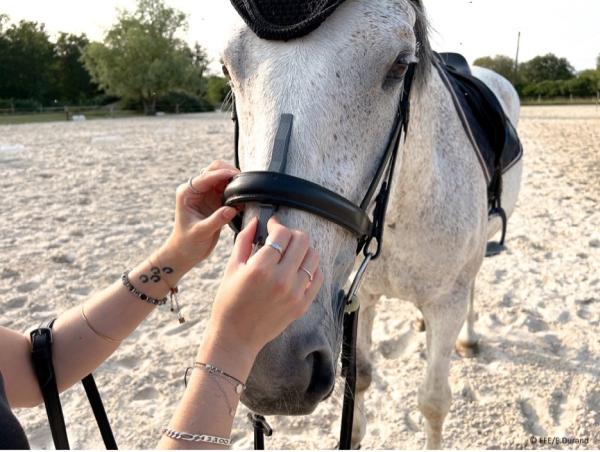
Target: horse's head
<point x="342" y="82"/>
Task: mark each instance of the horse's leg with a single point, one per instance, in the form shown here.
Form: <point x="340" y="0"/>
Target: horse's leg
<point x="443" y="318"/>
<point x="467" y="345"/>
<point x="363" y="366"/>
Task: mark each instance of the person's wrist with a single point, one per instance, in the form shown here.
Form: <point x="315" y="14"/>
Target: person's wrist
<point x="227" y="352"/>
<point x="169" y="256"/>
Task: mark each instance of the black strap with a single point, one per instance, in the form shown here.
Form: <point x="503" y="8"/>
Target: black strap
<point x="277" y="166"/>
<point x="41" y="354"/>
<point x="99" y="412"/>
<point x="349" y="371"/>
<point x="269" y="188"/>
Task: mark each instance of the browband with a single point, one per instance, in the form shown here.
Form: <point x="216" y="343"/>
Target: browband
<point x="265" y="187"/>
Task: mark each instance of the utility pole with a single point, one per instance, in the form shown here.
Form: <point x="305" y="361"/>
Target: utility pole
<point x="517" y="58"/>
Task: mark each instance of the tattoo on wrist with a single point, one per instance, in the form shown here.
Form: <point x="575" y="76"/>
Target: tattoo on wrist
<point x="155" y="274"/>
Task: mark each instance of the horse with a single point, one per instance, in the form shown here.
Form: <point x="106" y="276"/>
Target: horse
<point x="342" y="82"/>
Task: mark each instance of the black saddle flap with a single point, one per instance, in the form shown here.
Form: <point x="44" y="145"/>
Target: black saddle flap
<point x="494" y="136"/>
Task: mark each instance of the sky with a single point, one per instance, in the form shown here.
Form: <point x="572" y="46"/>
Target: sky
<point x="568" y="28"/>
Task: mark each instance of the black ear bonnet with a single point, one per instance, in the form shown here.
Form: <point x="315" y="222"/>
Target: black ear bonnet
<point x="284" y="19"/>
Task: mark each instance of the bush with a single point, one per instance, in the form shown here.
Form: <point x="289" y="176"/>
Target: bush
<point x="103" y="99"/>
<point x="181" y="102"/>
<point x="20" y="104"/>
<point x="587" y="84"/>
<point x="217" y="90"/>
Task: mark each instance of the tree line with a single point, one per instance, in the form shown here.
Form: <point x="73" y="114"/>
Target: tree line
<point x="142" y="64"/>
<point x="547" y="76"/>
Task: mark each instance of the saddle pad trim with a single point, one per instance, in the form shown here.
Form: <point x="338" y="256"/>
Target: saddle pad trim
<point x="465" y="123"/>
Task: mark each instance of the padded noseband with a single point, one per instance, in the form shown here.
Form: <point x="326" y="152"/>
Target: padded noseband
<point x="265" y="187"/>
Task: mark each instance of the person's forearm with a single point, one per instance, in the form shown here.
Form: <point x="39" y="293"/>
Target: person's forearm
<point x="81" y="345"/>
<point x="209" y="400"/>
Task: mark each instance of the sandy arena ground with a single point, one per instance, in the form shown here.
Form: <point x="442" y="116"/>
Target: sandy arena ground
<point x="81" y="202"/>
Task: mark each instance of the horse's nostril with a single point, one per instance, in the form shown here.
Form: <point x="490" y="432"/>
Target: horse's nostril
<point x="322" y="377"/>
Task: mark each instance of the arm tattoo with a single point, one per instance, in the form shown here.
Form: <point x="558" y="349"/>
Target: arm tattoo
<point x="155" y="274"/>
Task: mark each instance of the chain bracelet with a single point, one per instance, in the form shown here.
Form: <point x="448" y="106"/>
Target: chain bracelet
<point x="216" y="372"/>
<point x="213" y="370"/>
<point x="169" y="432"/>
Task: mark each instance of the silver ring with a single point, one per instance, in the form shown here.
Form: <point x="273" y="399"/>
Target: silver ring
<point x="305" y="270"/>
<point x="192" y="189"/>
<point x="276" y="246"/>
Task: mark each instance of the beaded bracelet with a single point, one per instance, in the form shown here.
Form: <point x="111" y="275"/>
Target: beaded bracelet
<point x="142" y="296"/>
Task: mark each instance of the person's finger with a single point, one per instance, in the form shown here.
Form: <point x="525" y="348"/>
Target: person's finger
<point x="243" y="244"/>
<point x="295" y="253"/>
<point x="312" y="291"/>
<point x="279" y="236"/>
<point x="211" y="180"/>
<point x="220" y="164"/>
<point x="307" y="271"/>
<point x="215" y="221"/>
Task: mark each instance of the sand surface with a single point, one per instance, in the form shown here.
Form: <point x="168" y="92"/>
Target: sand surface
<point x="81" y="202"/>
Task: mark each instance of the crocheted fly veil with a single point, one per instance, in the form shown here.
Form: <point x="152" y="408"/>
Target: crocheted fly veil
<point x="284" y="19"/>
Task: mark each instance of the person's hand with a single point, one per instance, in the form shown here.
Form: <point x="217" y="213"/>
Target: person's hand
<point x="261" y="295"/>
<point x="199" y="216"/>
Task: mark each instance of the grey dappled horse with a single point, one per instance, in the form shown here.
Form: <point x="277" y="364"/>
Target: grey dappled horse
<point x="341" y="83"/>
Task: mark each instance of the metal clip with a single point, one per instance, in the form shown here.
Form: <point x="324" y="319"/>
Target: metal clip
<point x="352" y="301"/>
<point x="259" y="422"/>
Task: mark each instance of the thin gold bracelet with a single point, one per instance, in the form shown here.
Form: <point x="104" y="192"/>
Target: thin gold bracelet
<point x="99" y="334"/>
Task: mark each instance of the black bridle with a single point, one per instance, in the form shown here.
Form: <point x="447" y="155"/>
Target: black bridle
<point x="273" y="188"/>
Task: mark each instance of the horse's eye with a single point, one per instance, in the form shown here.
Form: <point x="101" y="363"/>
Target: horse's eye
<point x="225" y="72"/>
<point x="398" y="70"/>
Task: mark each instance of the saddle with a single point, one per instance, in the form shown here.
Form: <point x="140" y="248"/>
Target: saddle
<point x="491" y="132"/>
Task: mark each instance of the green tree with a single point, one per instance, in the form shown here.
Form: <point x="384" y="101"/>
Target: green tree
<point x="598" y="62"/>
<point x="217" y="89"/>
<point x="501" y="64"/>
<point x="547" y="67"/>
<point x="73" y="82"/>
<point x="588" y="83"/>
<point x="143" y="59"/>
<point x="26" y="62"/>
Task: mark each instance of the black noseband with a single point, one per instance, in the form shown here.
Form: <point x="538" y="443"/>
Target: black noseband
<point x="264" y="187"/>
